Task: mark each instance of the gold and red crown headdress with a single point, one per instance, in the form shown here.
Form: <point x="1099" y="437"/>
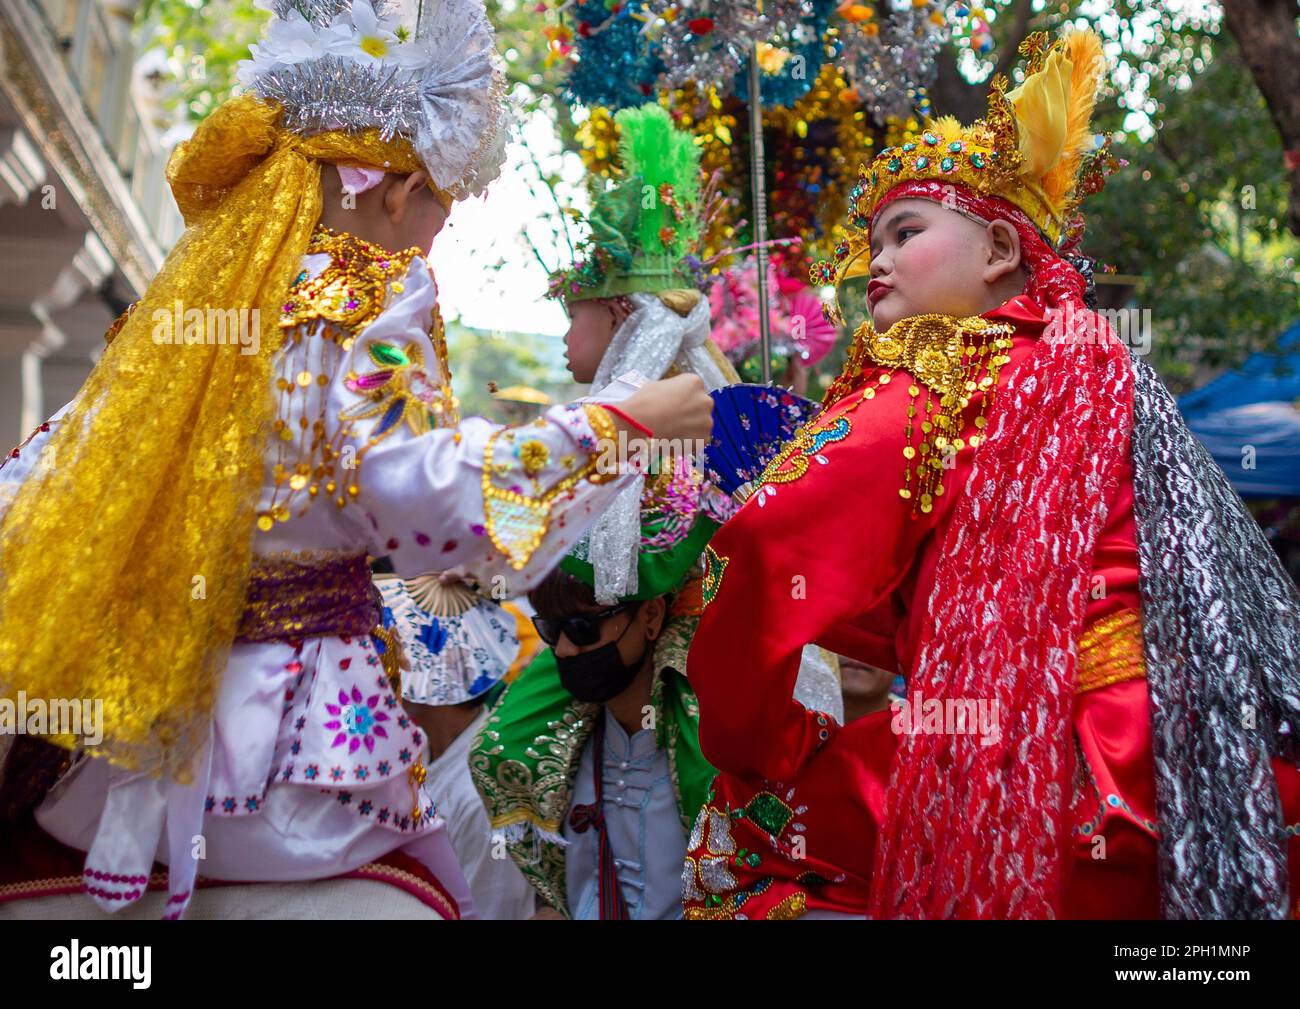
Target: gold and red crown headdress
<point x="1029" y="150"/>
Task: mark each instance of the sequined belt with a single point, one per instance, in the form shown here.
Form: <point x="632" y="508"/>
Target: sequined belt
<point x="289" y="600"/>
<point x="1110" y="651"/>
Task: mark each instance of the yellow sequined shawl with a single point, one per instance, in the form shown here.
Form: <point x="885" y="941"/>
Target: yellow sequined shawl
<point x="125" y="556"/>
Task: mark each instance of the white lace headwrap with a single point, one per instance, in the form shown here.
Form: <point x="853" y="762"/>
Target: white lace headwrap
<point x="650" y="341"/>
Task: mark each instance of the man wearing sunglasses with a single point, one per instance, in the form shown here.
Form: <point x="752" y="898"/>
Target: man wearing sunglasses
<point x="590" y="766"/>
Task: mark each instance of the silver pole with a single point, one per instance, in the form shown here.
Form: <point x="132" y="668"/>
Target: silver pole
<point x="759" y="185"/>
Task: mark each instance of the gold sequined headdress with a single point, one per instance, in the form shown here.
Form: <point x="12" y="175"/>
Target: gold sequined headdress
<point x="1029" y="150"/>
<point x="125" y="557"/>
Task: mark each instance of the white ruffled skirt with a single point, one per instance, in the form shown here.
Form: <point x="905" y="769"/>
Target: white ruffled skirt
<point x="308" y="774"/>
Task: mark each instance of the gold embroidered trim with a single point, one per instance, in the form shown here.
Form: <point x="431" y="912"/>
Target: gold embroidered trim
<point x="790" y="908"/>
<point x="602" y="423"/>
<point x="517" y="519"/>
<point x="382" y="873"/>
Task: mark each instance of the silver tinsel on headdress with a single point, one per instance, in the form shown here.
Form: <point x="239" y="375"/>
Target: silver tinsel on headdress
<point x="1221" y="631"/>
<point x="443" y="89"/>
<point x="320" y="12"/>
<point x="333" y="93"/>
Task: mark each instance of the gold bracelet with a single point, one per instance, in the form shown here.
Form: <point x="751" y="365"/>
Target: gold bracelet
<point x="606" y="433"/>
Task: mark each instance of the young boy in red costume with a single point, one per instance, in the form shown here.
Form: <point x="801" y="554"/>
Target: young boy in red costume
<point x="999" y="502"/>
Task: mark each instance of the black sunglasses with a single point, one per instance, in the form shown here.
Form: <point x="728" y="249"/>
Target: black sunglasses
<point x="582" y="628"/>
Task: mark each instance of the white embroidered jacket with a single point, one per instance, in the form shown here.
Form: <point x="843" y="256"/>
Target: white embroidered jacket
<point x="308" y="773"/>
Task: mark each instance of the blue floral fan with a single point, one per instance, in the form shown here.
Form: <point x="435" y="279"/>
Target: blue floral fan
<point x="750" y="424"/>
<point x="457" y="643"/>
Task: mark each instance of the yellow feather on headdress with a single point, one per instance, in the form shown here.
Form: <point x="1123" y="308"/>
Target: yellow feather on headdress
<point x="947" y="126"/>
<point x="1083" y="50"/>
<point x="1053" y="109"/>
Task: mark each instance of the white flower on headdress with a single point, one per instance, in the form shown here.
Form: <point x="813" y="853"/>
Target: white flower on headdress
<point x="289" y="41"/>
<point x="366" y="38"/>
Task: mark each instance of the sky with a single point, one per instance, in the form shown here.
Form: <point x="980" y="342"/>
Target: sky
<point x="485" y="231"/>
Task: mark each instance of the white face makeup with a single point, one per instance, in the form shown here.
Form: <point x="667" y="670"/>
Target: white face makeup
<point x="926" y="259"/>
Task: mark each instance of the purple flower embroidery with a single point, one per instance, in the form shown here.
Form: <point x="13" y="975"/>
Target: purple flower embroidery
<point x="384" y="767"/>
<point x="361" y="773"/>
<point x="356" y="720"/>
<point x="312" y="772"/>
<point x="336" y="774"/>
<point x="365" y="808"/>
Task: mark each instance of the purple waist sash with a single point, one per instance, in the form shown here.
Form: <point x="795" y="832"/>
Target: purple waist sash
<point x="289" y="600"/>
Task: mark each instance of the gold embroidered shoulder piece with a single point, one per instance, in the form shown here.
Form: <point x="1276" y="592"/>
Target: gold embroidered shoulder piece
<point x="322" y="316"/>
<point x="351" y="291"/>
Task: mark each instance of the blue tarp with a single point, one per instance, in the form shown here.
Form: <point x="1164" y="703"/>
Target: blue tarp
<point x="1256" y="407"/>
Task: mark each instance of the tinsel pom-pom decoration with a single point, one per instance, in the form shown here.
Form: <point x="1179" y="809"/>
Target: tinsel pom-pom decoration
<point x="615" y="67"/>
<point x="792" y="57"/>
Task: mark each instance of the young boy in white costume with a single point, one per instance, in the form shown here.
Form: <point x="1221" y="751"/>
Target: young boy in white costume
<point x="218" y="501"/>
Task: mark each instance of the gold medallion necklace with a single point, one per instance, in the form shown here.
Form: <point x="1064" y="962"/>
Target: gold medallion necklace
<point x="949" y="359"/>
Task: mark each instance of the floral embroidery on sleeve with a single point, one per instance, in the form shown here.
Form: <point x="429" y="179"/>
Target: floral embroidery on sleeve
<point x="398" y="391"/>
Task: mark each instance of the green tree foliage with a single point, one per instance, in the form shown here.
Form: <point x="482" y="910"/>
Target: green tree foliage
<point x="205" y="42"/>
<point x="1199" y="215"/>
<point x="480" y="358"/>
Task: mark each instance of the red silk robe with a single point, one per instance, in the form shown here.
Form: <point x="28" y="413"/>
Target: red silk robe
<point x="837" y="557"/>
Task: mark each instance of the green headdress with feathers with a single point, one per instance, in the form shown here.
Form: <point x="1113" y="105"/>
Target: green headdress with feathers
<point x="646" y="224"/>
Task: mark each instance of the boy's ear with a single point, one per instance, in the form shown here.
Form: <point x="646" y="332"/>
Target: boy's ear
<point x="1004" y="251"/>
<point x="655" y="611"/>
<point x="400" y="190"/>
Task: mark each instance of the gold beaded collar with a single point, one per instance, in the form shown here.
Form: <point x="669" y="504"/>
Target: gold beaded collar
<point x="950" y="359"/>
<point x="931" y="348"/>
<point x="352" y="289"/>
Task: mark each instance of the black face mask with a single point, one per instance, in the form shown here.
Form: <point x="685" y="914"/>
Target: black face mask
<point x="599" y="675"/>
